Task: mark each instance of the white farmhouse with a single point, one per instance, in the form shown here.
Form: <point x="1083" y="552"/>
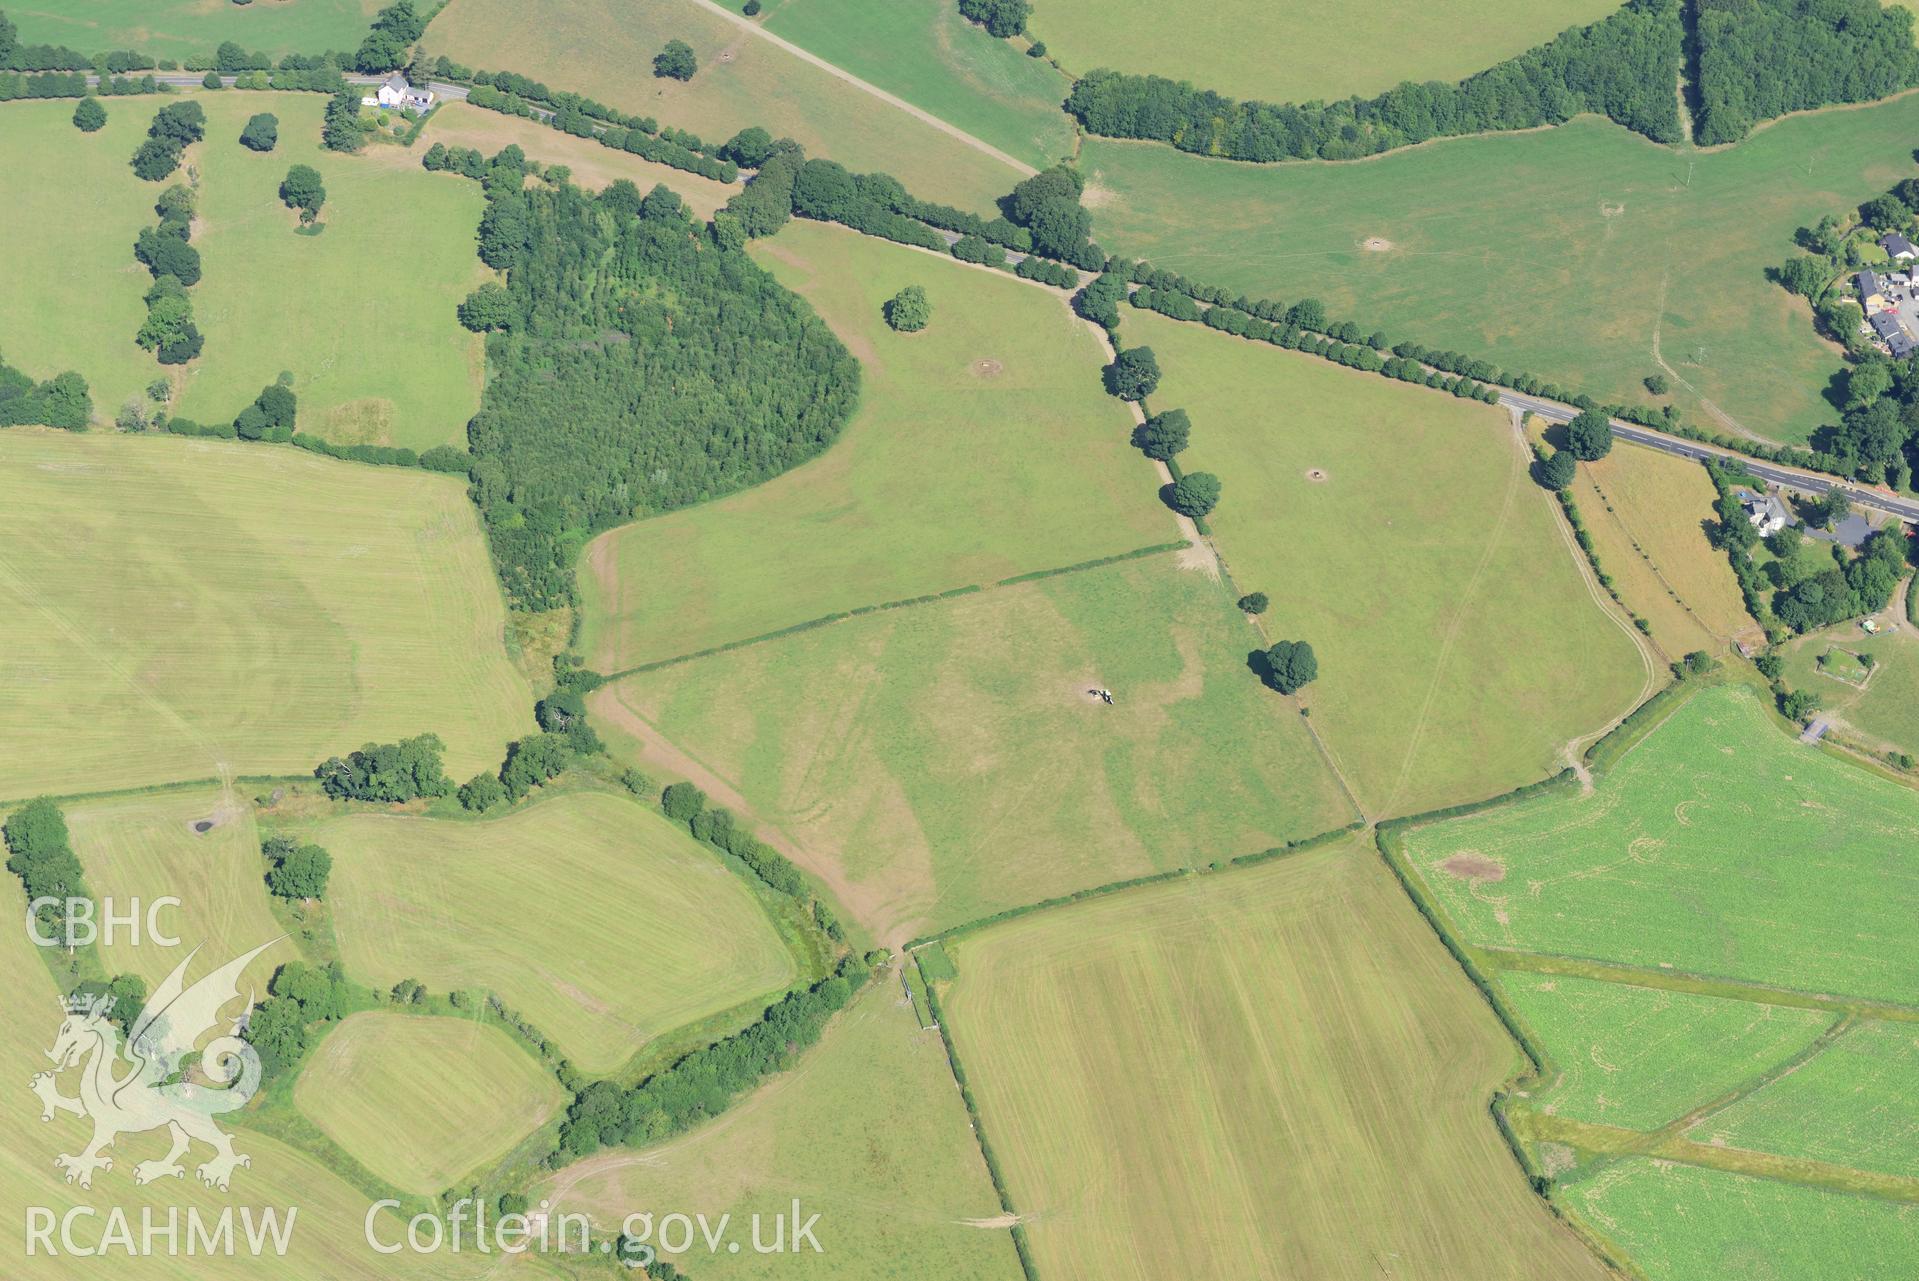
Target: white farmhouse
<point x="396" y="93"/>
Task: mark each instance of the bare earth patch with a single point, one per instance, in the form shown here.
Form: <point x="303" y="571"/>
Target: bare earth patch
<point x="1474" y="867"/>
<point x="1317" y="475"/>
<point x="1376" y="245"/>
<point x="987" y="368"/>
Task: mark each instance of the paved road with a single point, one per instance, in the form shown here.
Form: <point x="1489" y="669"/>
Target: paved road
<point x="1804" y="482"/>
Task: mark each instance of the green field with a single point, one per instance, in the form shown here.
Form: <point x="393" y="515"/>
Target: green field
<point x="72" y="293"/>
<point x="950" y="474"/>
<point x="591" y="915"/>
<point x="328" y="1238"/>
<point x="175" y="609"/>
<point x="194" y="28"/>
<point x="604" y="48"/>
<point x="138" y="849"/>
<point x="456" y="124"/>
<point x="1886" y="709"/>
<point x="926" y="53"/>
<point x="1299" y="52"/>
<point x="1567" y="253"/>
<point x="867" y="1131"/>
<point x="1274" y="1072"/>
<point x="941" y="762"/>
<point x="1849" y="1105"/>
<point x="361" y="315"/>
<point x="1733" y="850"/>
<point x="1638" y="1057"/>
<point x="422" y="1101"/>
<point x="1459" y="649"/>
<point x="1683" y="1223"/>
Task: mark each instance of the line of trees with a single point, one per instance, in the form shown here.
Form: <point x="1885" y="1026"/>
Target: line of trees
<point x="705" y="1082"/>
<point x="166" y="252"/>
<point x="174" y="127"/>
<point x="40" y="853"/>
<point x="390" y="772"/>
<point x="1625" y="66"/>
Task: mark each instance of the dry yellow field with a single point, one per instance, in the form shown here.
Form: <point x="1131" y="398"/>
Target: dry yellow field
<point x="1276" y="1072"/>
<point x="590" y="914"/>
<point x="143" y="848"/>
<point x="423" y="1101"/>
<point x="327" y="1237"/>
<point x="176" y="609"/>
<point x="605" y="48"/>
<point x="867" y="1131"/>
<point x="1646" y="512"/>
<point x="458" y="125"/>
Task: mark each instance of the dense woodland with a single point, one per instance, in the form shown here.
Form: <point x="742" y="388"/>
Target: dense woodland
<point x="644" y="367"/>
<point x="1625" y="67"/>
<point x="1759" y="59"/>
<point x="1755" y="60"/>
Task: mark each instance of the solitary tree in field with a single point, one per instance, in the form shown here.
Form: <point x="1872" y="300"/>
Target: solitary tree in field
<point x="1195" y="494"/>
<point x="908" y="311"/>
<point x="1557" y="472"/>
<point x="303" y="190"/>
<point x="1590" y="435"/>
<point x="675" y="61"/>
<point x="262" y="132"/>
<point x="1254" y="603"/>
<point x="298" y="871"/>
<point x="89" y="116"/>
<point x="1134" y="374"/>
<point x="1165" y="434"/>
<point x="1291" y="665"/>
<point x="1658" y="384"/>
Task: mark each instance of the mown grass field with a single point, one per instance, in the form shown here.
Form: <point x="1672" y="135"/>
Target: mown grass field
<point x="1568" y="253"/>
<point x="1885" y="709"/>
<point x="983" y="447"/>
<point x="362" y="315"/>
<point x="328" y="1238"/>
<point x="944" y="761"/>
<point x="590" y="914"/>
<point x="73" y="290"/>
<point x="1272" y="1072"/>
<point x="422" y="1101"/>
<point x="1734" y="850"/>
<point x="605" y="49"/>
<point x="139" y="849"/>
<point x="1647" y="512"/>
<point x="1684" y="1223"/>
<point x="594" y="167"/>
<point x="194" y="28"/>
<point x="172" y="609"/>
<point x="926" y="53"/>
<point x="1638" y="1057"/>
<point x="1299" y="52"/>
<point x="1849" y="1105"/>
<point x="867" y="1131"/>
<point x="1459" y="648"/>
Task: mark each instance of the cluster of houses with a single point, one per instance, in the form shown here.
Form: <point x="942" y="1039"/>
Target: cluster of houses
<point x="1891" y="299"/>
<point x="399" y="95"/>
